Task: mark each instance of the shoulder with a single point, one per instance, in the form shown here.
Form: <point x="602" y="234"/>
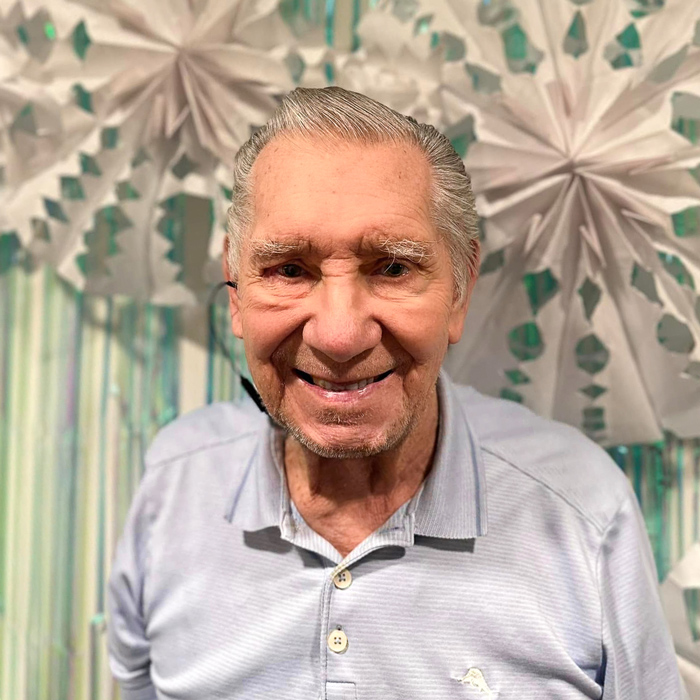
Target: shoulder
<point x="205" y="429"/>
<point x="557" y="456"/>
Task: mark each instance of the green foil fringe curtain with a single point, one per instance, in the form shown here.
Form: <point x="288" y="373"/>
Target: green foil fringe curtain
<point x="85" y="383"/>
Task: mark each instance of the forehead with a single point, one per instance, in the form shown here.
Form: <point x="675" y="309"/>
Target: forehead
<point x="333" y="192"/>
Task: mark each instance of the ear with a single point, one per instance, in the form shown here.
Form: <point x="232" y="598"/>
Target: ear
<point x="460" y="308"/>
<point x="233" y="300"/>
<point x="457" y="316"/>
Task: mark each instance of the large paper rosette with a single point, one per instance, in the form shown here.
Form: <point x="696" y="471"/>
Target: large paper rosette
<point x="587" y="307"/>
<point x="680" y="597"/>
<point x="150" y="100"/>
<point x="394" y="66"/>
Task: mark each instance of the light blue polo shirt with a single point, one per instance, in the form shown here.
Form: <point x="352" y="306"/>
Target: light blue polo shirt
<point x="521" y="570"/>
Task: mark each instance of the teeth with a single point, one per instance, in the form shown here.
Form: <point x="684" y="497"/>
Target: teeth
<point x="329" y="386"/>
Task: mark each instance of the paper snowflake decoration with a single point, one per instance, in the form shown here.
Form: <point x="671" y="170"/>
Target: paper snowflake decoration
<point x="312" y="58"/>
<point x="394" y="66"/>
<point x="680" y="597"/>
<point x="155" y="99"/>
<point x="587" y="308"/>
<point x="32" y="127"/>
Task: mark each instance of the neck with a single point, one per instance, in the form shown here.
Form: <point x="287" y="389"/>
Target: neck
<point x="345" y="500"/>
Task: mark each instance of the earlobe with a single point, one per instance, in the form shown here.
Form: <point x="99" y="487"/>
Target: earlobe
<point x="456" y="324"/>
<point x="459" y="312"/>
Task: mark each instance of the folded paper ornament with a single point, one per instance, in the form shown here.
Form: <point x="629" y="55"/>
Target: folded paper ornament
<point x="680" y="597"/>
<point x="585" y="172"/>
<point x="144" y="107"/>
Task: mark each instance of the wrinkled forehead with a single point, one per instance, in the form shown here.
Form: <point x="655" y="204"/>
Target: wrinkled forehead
<point x="334" y="189"/>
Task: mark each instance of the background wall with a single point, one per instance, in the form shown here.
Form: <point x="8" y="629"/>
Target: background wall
<point x="86" y="381"/>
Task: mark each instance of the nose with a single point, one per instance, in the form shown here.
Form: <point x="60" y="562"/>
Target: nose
<point x="341" y="324"/>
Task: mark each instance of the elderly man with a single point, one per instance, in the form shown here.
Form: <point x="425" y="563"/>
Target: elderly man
<point x="383" y="534"/>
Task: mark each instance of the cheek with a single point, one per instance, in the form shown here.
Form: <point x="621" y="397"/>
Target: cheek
<point x="265" y="327"/>
<point x="421" y="331"/>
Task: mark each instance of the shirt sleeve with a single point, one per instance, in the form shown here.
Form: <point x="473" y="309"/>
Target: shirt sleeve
<point x="639" y="659"/>
<point x="128" y="644"/>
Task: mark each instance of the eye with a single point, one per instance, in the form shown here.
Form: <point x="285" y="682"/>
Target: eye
<point x="290" y="270"/>
<point x="393" y="269"/>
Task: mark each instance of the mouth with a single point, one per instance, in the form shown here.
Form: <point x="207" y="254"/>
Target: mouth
<point x="347" y="386"/>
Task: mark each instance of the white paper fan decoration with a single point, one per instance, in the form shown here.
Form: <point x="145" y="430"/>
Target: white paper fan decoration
<point x="156" y="97"/>
<point x="587" y="307"/>
<point x="394" y="66"/>
<point x="680" y="597"/>
<point x="28" y="116"/>
<point x="313" y="58"/>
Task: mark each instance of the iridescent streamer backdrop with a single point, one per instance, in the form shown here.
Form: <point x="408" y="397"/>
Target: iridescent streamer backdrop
<point x="85" y="383"/>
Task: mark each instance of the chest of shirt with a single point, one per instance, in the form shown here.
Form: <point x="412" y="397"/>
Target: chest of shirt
<point x="244" y="615"/>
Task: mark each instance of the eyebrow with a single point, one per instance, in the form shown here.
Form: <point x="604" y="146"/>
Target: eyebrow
<point x="267" y="251"/>
<point x="263" y="252"/>
<point x="406" y="249"/>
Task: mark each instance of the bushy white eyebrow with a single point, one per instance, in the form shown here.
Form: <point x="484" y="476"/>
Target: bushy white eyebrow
<point x="262" y="252"/>
<point x="407" y="249"/>
<point x="267" y="251"/>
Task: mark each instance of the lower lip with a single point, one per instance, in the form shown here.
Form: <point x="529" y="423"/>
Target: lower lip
<point x="351" y="396"/>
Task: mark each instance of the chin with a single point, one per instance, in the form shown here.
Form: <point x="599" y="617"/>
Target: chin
<point x="350" y="441"/>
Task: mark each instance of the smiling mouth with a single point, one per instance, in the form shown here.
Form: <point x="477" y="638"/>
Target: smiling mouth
<point x="331" y="386"/>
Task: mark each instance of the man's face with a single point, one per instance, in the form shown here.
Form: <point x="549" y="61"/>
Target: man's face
<point x="345" y="296"/>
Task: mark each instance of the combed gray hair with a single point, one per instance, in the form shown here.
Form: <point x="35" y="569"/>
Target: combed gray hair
<point x="333" y="112"/>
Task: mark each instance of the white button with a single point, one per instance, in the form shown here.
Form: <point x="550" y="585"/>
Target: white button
<point x="337" y="641"/>
<point x="342" y="579"/>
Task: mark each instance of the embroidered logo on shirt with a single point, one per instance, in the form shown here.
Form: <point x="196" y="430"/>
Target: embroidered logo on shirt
<point x="475" y="678"/>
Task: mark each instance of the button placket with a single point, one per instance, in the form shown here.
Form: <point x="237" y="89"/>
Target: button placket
<point x="340" y="603"/>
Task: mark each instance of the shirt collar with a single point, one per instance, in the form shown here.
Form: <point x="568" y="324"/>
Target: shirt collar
<point x="451" y="502"/>
<point x="261" y="499"/>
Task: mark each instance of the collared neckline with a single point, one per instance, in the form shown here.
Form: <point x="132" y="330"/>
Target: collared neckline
<point x="261" y="499"/>
<point x="450" y="504"/>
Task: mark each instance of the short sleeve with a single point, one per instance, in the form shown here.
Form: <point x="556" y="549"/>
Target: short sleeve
<point x="129" y="648"/>
<point x="639" y="658"/>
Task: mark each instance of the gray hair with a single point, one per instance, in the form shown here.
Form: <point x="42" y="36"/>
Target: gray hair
<point x="333" y="112"/>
